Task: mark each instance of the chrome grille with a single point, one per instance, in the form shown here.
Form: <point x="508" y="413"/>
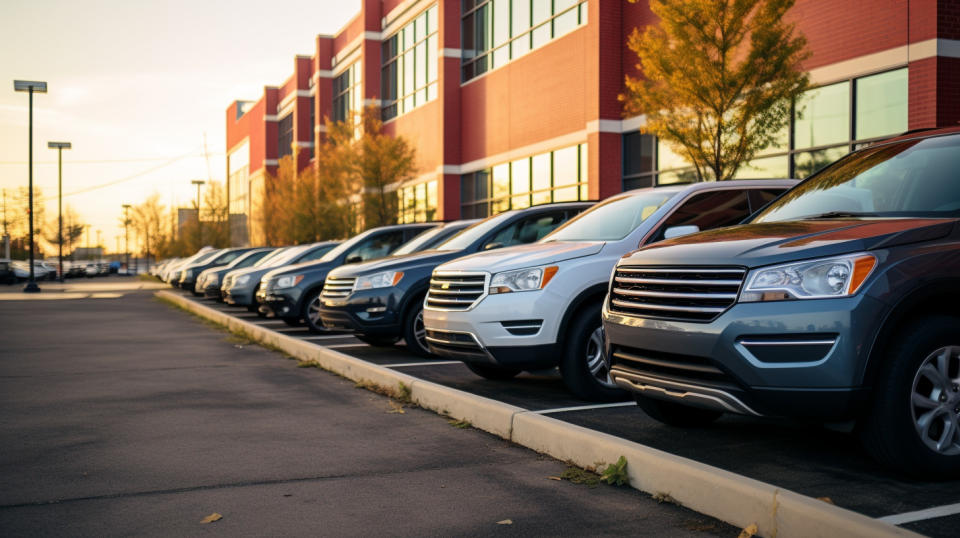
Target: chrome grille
<point x="456" y="291"/>
<point x="335" y="288"/>
<point x="683" y="293"/>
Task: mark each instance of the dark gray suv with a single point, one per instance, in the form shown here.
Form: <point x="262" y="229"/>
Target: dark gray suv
<point x="836" y="302"/>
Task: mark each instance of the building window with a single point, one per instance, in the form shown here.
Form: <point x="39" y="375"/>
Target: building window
<point x="285" y="136"/>
<point x="238" y="185"/>
<point x="554" y="176"/>
<point x="409" y="74"/>
<point x="313" y="123"/>
<point x="828" y="122"/>
<point x="639" y="160"/>
<point x="347" y="92"/>
<point x="493" y="32"/>
<point x="418" y="203"/>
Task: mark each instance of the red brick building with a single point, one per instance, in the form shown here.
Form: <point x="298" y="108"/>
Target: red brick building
<point x="514" y="102"/>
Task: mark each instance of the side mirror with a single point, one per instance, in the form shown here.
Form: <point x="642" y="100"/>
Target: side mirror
<point x="354" y="259"/>
<point x="678" y="231"/>
<point x="491" y="246"/>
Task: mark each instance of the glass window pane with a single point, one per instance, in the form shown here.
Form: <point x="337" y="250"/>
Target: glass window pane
<point x="823" y="116"/>
<point x="583" y="163"/>
<point x="500" y="56"/>
<point x="467" y="193"/>
<point x="560" y="5"/>
<point x="432" y="91"/>
<point x="541" y="10"/>
<point x="521" y="17"/>
<point x="809" y="162"/>
<point x="501" y="181"/>
<point x="768" y="167"/>
<point x="501" y="22"/>
<point x="667" y="159"/>
<point x="520" y="176"/>
<point x="566" y="194"/>
<point x="541" y="178"/>
<point x="541" y="35"/>
<point x="882" y="104"/>
<point x="482" y="184"/>
<point x="432" y="59"/>
<point x="408" y="71"/>
<point x="421" y="66"/>
<point x="421" y="26"/>
<point x="565" y="23"/>
<point x="565" y="167"/>
<point x="483" y="29"/>
<point x="432" y="20"/>
<point x="467" y="37"/>
<point x="638" y="153"/>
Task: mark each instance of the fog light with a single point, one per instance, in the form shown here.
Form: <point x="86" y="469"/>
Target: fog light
<point x="376" y="309"/>
<point x="286" y="309"/>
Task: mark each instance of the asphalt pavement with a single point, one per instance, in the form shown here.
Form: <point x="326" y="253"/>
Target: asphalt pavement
<point x="122" y="416"/>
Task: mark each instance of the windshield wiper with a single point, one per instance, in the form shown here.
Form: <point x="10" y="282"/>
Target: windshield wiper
<point x="840" y="215"/>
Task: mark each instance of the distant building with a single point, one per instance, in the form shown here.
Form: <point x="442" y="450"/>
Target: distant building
<point x="511" y="103"/>
<point x="185" y="216"/>
<point x="87" y="253"/>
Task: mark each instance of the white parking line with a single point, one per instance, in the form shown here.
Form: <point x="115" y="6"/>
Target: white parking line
<point x="920" y="515"/>
<point x="340" y="346"/>
<point x="328" y="337"/>
<point x="582" y="408"/>
<point x="428" y="363"/>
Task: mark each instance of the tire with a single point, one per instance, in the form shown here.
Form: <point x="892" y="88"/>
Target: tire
<point x="254" y="306"/>
<point x="585" y="370"/>
<point x="675" y="414"/>
<point x="311" y="312"/>
<point x="414" y="333"/>
<point x="496" y="373"/>
<point x="913" y="426"/>
<point x="293" y="322"/>
<point x="378" y="341"/>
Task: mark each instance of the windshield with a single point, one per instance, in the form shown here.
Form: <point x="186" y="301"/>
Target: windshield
<point x="203" y="258"/>
<point x="468" y="236"/>
<point x="430" y="238"/>
<point x="345" y="246"/>
<point x="288" y="254"/>
<point x="611" y="220"/>
<point x="915" y="178"/>
<point x="273" y="254"/>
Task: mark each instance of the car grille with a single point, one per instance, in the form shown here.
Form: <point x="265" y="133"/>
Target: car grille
<point x="669" y="365"/>
<point x="454" y="344"/>
<point x="335" y="288"/>
<point x="688" y="293"/>
<point x="456" y="291"/>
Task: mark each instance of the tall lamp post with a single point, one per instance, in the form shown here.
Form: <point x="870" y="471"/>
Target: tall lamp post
<point x="198" y="183"/>
<point x="126" y="234"/>
<point x="30" y="86"/>
<point x="59" y="146"/>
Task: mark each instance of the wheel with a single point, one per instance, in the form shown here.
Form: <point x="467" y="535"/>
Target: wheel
<point x="311" y="312"/>
<point x="676" y="414"/>
<point x="378" y="341"/>
<point x="293" y="322"/>
<point x="914" y="424"/>
<point x="414" y="333"/>
<point x="489" y="371"/>
<point x="583" y="365"/>
<point x="254" y="306"/>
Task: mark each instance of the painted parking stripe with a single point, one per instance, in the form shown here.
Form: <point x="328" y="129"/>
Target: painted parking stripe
<point x="427" y="363"/>
<point x="920" y="515"/>
<point x="328" y="337"/>
<point x="341" y="346"/>
<point x="582" y="408"/>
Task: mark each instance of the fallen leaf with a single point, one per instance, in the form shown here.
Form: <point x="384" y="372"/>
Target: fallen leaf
<point x="505" y="522"/>
<point x="211" y="518"/>
<point x="827" y="500"/>
<point x="554" y="478"/>
<point x="749" y="532"/>
<point x="396" y="408"/>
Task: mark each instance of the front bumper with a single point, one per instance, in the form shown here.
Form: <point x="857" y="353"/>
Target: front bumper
<point x="367" y="312"/>
<point x="280" y="303"/>
<point x="238" y="296"/>
<point x="517" y="330"/>
<point x="212" y="291"/>
<point x="791" y="358"/>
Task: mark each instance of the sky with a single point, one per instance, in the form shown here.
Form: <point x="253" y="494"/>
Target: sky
<point x="140" y="89"/>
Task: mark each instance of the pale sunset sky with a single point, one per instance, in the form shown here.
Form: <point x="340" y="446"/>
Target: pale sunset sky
<point x="136" y="87"/>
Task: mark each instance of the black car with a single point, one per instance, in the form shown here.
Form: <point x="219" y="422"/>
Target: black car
<point x="240" y="286"/>
<point x="208" y="283"/>
<point x="189" y="273"/>
<point x="292" y="293"/>
<point x="837" y="302"/>
<point x="382" y="301"/>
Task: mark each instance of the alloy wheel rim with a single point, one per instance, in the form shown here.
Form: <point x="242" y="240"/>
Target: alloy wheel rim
<point x="313" y="311"/>
<point x="596" y="361"/>
<point x="419" y="330"/>
<point x="935" y="401"/>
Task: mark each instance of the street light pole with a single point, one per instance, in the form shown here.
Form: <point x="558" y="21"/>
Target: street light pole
<point x="198" y="183"/>
<point x="126" y="233"/>
<point x="30" y="86"/>
<point x="59" y="146"/>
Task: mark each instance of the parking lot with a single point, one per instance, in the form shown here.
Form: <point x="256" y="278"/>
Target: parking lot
<point x="806" y="458"/>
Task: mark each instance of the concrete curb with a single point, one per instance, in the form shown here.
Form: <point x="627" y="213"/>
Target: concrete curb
<point x="736" y="499"/>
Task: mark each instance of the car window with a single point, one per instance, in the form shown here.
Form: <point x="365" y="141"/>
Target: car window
<point x="427" y="239"/>
<point x="761" y="197"/>
<point x="252" y="259"/>
<point x="374" y="247"/>
<point x="526" y="230"/>
<point x="708" y="210"/>
<point x="315" y="254"/>
<point x="229" y="257"/>
<point x="611" y="220"/>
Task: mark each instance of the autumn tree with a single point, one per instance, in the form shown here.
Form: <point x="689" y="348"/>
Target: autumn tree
<point x="381" y="162"/>
<point x="72" y="230"/>
<point x="718" y="79"/>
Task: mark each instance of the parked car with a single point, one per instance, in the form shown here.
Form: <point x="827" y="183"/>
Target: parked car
<point x="511" y="320"/>
<point x="190" y="272"/>
<point x="240" y="286"/>
<point x="175" y="272"/>
<point x="836" y="302"/>
<point x="292" y="293"/>
<point x="382" y="301"/>
<point x="208" y="282"/>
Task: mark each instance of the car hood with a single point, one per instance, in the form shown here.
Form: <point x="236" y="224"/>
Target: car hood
<point x="406" y="262"/>
<point x="308" y="268"/>
<point x="521" y="256"/>
<point x="754" y="245"/>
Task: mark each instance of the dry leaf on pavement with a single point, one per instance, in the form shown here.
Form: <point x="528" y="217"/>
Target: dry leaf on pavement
<point x="211" y="518"/>
<point x="505" y="522"/>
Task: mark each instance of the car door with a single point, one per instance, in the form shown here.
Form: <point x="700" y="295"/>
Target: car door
<point x="527" y="229"/>
<point x="714" y="209"/>
<point x="375" y="246"/>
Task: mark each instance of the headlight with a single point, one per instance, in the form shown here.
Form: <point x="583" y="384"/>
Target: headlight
<point x="213" y="280"/>
<point x="241" y="280"/>
<point x="378" y="280"/>
<point x="534" y="278"/>
<point x="288" y="281"/>
<point x="187" y="273"/>
<point x="818" y="279"/>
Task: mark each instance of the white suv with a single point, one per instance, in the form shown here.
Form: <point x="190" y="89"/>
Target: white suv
<point x="537" y="306"/>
